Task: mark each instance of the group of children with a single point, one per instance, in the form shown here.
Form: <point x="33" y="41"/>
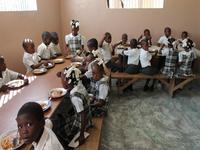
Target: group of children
<point x="87" y="85"/>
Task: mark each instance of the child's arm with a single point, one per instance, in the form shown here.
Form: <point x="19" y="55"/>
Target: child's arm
<point x="4" y="88"/>
<point x="101" y="42"/>
<point x="140" y="38"/>
<point x="115" y="45"/>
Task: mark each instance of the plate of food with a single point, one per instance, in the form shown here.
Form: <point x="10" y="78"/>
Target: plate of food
<point x="50" y="65"/>
<point x="57" y="92"/>
<point x="40" y="71"/>
<point x="58" y="60"/>
<point x="76" y="64"/>
<point x="15" y="83"/>
<point x="10" y="140"/>
<point x="45" y="104"/>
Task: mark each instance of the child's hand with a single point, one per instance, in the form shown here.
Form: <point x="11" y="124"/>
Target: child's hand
<point x="58" y="74"/>
<point x="5" y="88"/>
<point x="45" y="62"/>
<point x="26" y="82"/>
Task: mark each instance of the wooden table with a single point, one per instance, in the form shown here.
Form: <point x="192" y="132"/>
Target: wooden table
<point x="37" y="90"/>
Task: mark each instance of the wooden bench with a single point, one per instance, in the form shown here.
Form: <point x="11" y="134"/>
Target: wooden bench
<point x="171" y="84"/>
<point x="93" y="141"/>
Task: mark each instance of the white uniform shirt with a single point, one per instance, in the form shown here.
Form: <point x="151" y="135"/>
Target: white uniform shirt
<point x="43" y="51"/>
<point x="30" y="59"/>
<point x="145" y="58"/>
<point x="106" y="51"/>
<point x="164" y="40"/>
<point x="133" y="56"/>
<point x="103" y="89"/>
<point x="8" y="75"/>
<point x="77" y="101"/>
<point x="48" y="141"/>
<point x="54" y="49"/>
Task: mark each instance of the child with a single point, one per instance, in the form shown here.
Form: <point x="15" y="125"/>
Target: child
<point x="170" y="60"/>
<point x="54" y="45"/>
<point x="32" y="129"/>
<point x="163" y="41"/>
<point x="145" y="61"/>
<point x="185" y="59"/>
<point x="99" y="89"/>
<point x="133" y="57"/>
<point x="107" y="50"/>
<point x="7" y="75"/>
<point x="43" y="49"/>
<point x="78" y="95"/>
<point x="122" y="45"/>
<point x="92" y="45"/>
<point x="30" y="59"/>
<point x="74" y="41"/>
<point x="145" y="36"/>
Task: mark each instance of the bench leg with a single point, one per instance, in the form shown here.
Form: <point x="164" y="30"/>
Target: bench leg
<point x="171" y="87"/>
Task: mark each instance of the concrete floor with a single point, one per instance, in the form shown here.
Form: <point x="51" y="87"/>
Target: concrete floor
<point x="140" y="120"/>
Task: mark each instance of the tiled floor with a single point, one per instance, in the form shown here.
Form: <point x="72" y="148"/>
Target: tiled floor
<point x="153" y="121"/>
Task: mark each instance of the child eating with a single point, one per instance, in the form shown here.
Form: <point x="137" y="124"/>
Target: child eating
<point x="54" y="45"/>
<point x="145" y="36"/>
<point x="30" y="59"/>
<point x="7" y="75"/>
<point x="32" y="129"/>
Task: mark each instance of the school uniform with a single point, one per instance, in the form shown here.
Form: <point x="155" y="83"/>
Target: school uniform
<point x="79" y="100"/>
<point x="164" y="40"/>
<point x="54" y="49"/>
<point x="186" y="67"/>
<point x="133" y="60"/>
<point x="74" y="42"/>
<point x="7" y="76"/>
<point x="30" y="60"/>
<point x="170" y="62"/>
<point x="98" y="53"/>
<point x="48" y="141"/>
<point x="145" y="58"/>
<point x="107" y="57"/>
<point x="100" y="90"/>
<point x="43" y="51"/>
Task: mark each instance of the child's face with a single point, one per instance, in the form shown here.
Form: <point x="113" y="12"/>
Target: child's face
<point x="75" y="31"/>
<point x="108" y="39"/>
<point x="96" y="74"/>
<point x="2" y="65"/>
<point x="183" y="35"/>
<point x="55" y="41"/>
<point x="90" y="47"/>
<point x="29" y="128"/>
<point x="167" y="32"/>
<point x="30" y="48"/>
<point x="146" y="33"/>
<point x="47" y="40"/>
<point x="124" y="39"/>
<point x="145" y="46"/>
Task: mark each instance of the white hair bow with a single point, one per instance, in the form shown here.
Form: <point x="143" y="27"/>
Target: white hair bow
<point x="70" y="75"/>
<point x="99" y="61"/>
<point x="75" y="23"/>
<point x="28" y="40"/>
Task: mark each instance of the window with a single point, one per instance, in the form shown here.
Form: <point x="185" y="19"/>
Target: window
<point x="18" y="5"/>
<point x="135" y="3"/>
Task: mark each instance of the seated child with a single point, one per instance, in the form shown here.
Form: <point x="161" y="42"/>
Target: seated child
<point x="78" y="95"/>
<point x="133" y="57"/>
<point x="163" y="41"/>
<point x="145" y="61"/>
<point x="7" y="75"/>
<point x="145" y="36"/>
<point x="171" y="59"/>
<point x="99" y="89"/>
<point x="74" y="41"/>
<point x="92" y="45"/>
<point x="30" y="59"/>
<point x="185" y="59"/>
<point x="43" y="50"/>
<point x="118" y="47"/>
<point x="54" y="45"/>
<point x="107" y="50"/>
<point x="32" y="129"/>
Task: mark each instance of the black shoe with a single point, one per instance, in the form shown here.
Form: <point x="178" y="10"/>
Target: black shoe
<point x="146" y="88"/>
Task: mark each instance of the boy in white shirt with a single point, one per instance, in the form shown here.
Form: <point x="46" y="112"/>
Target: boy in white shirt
<point x="7" y="75"/>
<point x="133" y="57"/>
<point x="32" y="129"/>
<point x="145" y="61"/>
<point x="43" y="50"/>
<point x="54" y="45"/>
<point x="163" y="41"/>
<point x="30" y="59"/>
<point x="74" y="41"/>
<point x="107" y="50"/>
